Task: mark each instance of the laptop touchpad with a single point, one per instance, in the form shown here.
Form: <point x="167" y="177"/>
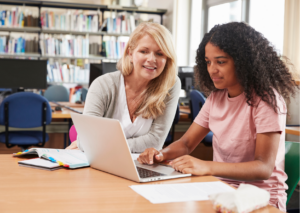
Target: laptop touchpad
<point x="157" y="168"/>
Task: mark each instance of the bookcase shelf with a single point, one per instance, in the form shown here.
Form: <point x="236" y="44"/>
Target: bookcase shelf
<point x="20" y="55"/>
<point x="21" y="29"/>
<point x="58" y="39"/>
<point x="54" y="31"/>
<point x="91" y="57"/>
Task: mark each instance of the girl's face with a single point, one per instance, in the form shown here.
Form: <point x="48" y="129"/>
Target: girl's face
<point x="221" y="69"/>
<point x="148" y="59"/>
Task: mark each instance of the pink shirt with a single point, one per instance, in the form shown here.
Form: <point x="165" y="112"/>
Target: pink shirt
<point x="235" y="124"/>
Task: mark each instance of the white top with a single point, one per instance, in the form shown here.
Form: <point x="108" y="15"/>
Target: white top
<point x="140" y="126"/>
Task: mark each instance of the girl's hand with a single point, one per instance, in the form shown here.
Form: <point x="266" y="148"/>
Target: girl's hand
<point x="150" y="155"/>
<point x="190" y="165"/>
<point x="73" y="145"/>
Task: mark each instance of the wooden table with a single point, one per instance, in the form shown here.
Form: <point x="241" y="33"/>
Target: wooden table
<point x="294" y="130"/>
<point x="83" y="190"/>
<point x="65" y="113"/>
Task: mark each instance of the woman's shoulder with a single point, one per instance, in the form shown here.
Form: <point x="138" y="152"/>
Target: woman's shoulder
<point x="109" y="77"/>
<point x="107" y="82"/>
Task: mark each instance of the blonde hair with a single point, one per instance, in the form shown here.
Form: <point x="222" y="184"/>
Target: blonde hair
<point x="152" y="104"/>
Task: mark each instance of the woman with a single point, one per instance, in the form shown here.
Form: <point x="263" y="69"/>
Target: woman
<point x="143" y="94"/>
<point x="245" y="110"/>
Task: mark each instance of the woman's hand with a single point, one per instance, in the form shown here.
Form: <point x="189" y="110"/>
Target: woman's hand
<point x="73" y="145"/>
<point x="150" y="155"/>
<point x="190" y="165"/>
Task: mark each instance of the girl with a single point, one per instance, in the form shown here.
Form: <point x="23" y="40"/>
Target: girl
<point x="245" y="110"/>
<point x="143" y="94"/>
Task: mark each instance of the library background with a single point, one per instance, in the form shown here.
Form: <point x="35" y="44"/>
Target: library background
<point x="57" y="48"/>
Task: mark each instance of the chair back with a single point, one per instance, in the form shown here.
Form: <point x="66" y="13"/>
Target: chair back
<point x="292" y="166"/>
<point x="57" y="93"/>
<point x="83" y="94"/>
<point x="25" y="110"/>
<point x="196" y="103"/>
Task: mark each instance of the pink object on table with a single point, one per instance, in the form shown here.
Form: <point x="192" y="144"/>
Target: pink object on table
<point x="73" y="134"/>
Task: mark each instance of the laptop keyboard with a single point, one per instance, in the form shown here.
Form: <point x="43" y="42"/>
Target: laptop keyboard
<point x="145" y="173"/>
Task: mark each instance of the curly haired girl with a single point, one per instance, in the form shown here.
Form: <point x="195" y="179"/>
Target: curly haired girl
<point x="247" y="83"/>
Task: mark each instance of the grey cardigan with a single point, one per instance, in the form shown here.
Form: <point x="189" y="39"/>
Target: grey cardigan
<point x="101" y="99"/>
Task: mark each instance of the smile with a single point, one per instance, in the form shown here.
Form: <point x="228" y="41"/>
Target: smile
<point x="150" y="68"/>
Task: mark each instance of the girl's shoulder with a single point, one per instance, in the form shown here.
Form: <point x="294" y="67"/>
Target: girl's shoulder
<point x="259" y="103"/>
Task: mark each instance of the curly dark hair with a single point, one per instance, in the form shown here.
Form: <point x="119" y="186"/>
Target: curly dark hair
<point x="258" y="67"/>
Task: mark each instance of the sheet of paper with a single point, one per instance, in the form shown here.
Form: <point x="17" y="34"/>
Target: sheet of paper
<point x="167" y="193"/>
<point x="135" y="156"/>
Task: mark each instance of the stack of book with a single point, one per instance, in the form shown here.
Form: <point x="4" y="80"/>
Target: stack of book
<point x="64" y="45"/>
<point x="71" y="20"/>
<point x="17" y="18"/>
<point x="12" y="45"/>
<point x="67" y="73"/>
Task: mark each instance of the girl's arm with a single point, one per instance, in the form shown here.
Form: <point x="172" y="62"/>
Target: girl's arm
<point x="184" y="146"/>
<point x="259" y="169"/>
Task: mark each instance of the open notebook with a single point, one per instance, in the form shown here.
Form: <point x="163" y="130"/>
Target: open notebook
<point x="64" y="157"/>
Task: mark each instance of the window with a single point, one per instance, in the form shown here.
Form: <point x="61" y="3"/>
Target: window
<point x="267" y="17"/>
<point x="224" y="13"/>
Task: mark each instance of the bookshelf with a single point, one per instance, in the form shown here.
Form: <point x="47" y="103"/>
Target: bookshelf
<point x="54" y="27"/>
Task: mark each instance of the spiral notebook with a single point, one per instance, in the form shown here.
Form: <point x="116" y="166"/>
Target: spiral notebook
<point x="63" y="157"/>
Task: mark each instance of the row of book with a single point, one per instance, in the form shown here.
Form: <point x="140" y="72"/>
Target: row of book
<point x="64" y="46"/>
<point x="70" y="20"/>
<point x="12" y="45"/>
<point x="67" y="73"/>
<point x="17" y="18"/>
<point x="123" y="23"/>
<point x="113" y="48"/>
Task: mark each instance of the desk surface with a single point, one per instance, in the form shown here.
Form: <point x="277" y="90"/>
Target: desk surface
<point x="294" y="130"/>
<point x="65" y="113"/>
<point x="83" y="190"/>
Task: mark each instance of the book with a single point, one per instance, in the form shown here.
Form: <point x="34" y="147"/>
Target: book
<point x="64" y="157"/>
<point x="39" y="163"/>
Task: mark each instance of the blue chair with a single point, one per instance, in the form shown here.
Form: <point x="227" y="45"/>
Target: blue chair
<point x="83" y="94"/>
<point x="171" y="134"/>
<point x="197" y="100"/>
<point x="25" y="110"/>
<point x="57" y="93"/>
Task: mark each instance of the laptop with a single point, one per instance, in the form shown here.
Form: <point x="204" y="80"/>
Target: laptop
<point x="104" y="143"/>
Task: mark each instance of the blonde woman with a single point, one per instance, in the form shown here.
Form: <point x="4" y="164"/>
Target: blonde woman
<point x="143" y="94"/>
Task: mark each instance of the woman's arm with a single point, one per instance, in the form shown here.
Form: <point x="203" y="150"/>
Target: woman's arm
<point x="259" y="169"/>
<point x="160" y="126"/>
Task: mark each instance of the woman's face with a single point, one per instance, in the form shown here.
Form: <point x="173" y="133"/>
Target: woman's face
<point x="148" y="59"/>
<point x="221" y="68"/>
